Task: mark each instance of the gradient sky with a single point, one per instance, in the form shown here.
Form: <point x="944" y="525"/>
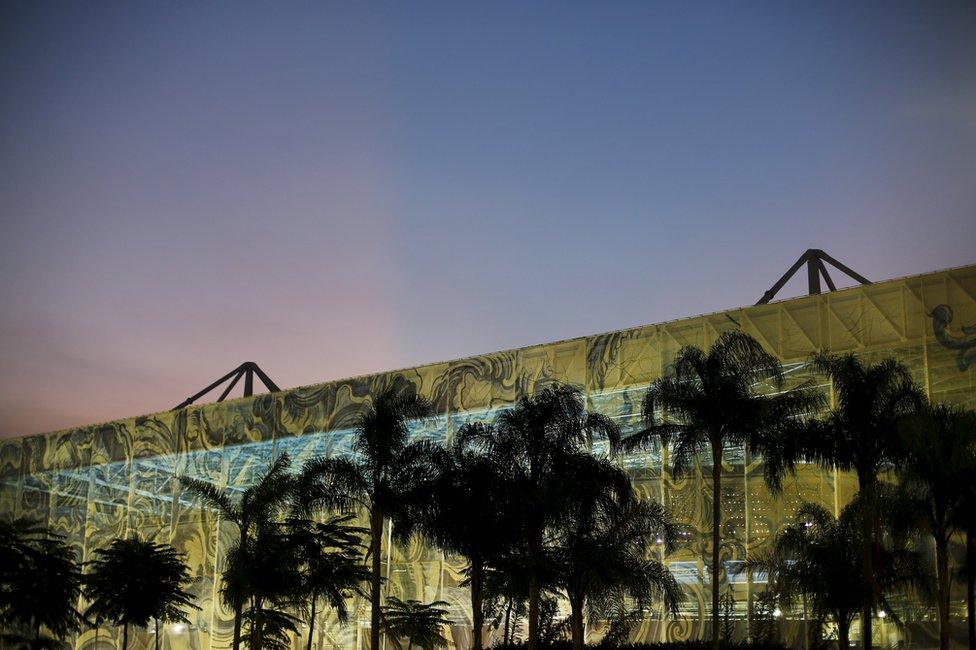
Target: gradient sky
<point x="337" y="189"/>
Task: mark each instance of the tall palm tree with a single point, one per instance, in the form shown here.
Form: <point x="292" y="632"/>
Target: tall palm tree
<point x="534" y="440"/>
<point x="603" y="545"/>
<point x="938" y="456"/>
<point x="331" y="552"/>
<point x="134" y="581"/>
<point x="386" y="475"/>
<point x="730" y="395"/>
<point x="39" y="583"/>
<point x="860" y="435"/>
<point x="467" y="514"/>
<point x="421" y="624"/>
<point x="262" y="502"/>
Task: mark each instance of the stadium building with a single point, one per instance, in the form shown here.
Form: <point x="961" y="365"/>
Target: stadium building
<point x="99" y="482"/>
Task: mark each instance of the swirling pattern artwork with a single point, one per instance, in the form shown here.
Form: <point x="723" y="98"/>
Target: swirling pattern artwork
<point x="99" y="482"/>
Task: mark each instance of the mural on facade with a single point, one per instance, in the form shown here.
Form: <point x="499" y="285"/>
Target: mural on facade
<point x="941" y="319"/>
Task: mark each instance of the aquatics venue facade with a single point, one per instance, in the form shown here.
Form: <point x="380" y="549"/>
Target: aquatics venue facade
<point x="99" y="482"/>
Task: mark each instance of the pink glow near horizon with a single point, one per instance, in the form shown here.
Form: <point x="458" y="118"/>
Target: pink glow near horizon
<point x="334" y="190"/>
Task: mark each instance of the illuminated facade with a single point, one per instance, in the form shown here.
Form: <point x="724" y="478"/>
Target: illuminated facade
<point x="100" y="482"/>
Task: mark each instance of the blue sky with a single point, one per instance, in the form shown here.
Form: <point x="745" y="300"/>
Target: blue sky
<point x="334" y="189"/>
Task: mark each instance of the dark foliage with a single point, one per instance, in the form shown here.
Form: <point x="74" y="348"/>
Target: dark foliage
<point x="39" y="585"/>
<point x="135" y="581"/>
<point x="421" y="624"/>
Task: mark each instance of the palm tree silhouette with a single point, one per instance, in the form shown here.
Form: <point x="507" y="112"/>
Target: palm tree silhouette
<point x="467" y="514"/>
<point x="604" y="539"/>
<point x="860" y="434"/>
<point x="421" y="624"/>
<point x="134" y="581"/>
<point x="39" y="584"/>
<point x="331" y="552"/>
<point x="713" y="400"/>
<point x="506" y="591"/>
<point x="536" y="440"/>
<point x="819" y="558"/>
<point x="386" y="476"/>
<point x="938" y="456"/>
<point x="266" y="571"/>
<point x="259" y="503"/>
<point x="276" y="627"/>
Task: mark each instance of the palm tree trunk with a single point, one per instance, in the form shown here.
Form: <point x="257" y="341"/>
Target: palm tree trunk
<point x="257" y="623"/>
<point x="125" y="636"/>
<point x="156" y="623"/>
<point x="311" y="623"/>
<point x="716" y="534"/>
<point x="477" y="604"/>
<point x="508" y="619"/>
<point x="942" y="572"/>
<point x="576" y="620"/>
<point x="533" y="611"/>
<point x="971" y="585"/>
<point x="865" y="485"/>
<point x="238" y="613"/>
<point x="376" y="577"/>
<point x="843" y="632"/>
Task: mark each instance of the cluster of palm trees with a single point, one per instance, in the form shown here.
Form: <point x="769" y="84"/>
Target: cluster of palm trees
<point x="130" y="582"/>
<point x="538" y="505"/>
<point x="524" y="500"/>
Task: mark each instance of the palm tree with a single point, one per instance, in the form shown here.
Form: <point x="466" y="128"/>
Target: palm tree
<point x="386" y="476"/>
<point x="534" y="440"/>
<point x="860" y="435"/>
<point x="506" y="592"/>
<point x="265" y="572"/>
<point x="331" y="552"/>
<point x="39" y="583"/>
<point x="604" y="543"/>
<point x="714" y="400"/>
<point x="421" y="624"/>
<point x="134" y="581"/>
<point x="276" y="627"/>
<point x="467" y="515"/>
<point x="261" y="502"/>
<point x="818" y="559"/>
<point x="938" y="456"/>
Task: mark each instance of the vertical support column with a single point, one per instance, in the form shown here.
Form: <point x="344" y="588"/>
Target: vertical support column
<point x="248" y="382"/>
<point x="813" y="275"/>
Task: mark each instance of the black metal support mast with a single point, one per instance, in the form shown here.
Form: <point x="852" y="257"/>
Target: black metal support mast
<point x="247" y="370"/>
<point x="814" y="258"/>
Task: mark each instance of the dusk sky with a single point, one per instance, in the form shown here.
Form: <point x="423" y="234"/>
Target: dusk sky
<point x="334" y="189"/>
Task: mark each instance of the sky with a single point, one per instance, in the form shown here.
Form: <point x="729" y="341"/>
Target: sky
<point x="334" y="189"/>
